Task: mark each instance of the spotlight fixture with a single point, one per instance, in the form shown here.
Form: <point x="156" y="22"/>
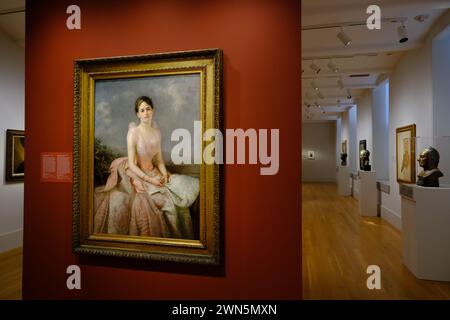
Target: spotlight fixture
<point x="402" y="34"/>
<point x="315" y="67"/>
<point x="332" y="66"/>
<point x="320" y="95"/>
<point x="340" y="83"/>
<point x="349" y="94"/>
<point x="345" y="39"/>
<point x="314" y="85"/>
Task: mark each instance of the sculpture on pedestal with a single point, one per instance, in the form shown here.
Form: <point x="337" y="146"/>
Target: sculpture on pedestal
<point x="343" y="159"/>
<point x="429" y="160"/>
<point x="364" y="156"/>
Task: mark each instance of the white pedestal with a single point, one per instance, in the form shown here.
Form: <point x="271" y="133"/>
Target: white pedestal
<point x="343" y="176"/>
<point x="368" y="196"/>
<point x="426" y="231"/>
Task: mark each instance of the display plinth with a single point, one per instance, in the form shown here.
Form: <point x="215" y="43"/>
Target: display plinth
<point x="368" y="195"/>
<point x="343" y="176"/>
<point x="426" y="231"/>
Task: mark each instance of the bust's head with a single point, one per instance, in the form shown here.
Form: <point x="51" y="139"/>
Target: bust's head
<point x="429" y="158"/>
<point x="364" y="154"/>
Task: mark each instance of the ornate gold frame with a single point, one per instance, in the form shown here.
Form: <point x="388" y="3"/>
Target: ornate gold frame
<point x="206" y="250"/>
<point x="10" y="175"/>
<point x="412" y="129"/>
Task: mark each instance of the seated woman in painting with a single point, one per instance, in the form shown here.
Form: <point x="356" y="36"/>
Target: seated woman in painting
<point x="140" y="197"/>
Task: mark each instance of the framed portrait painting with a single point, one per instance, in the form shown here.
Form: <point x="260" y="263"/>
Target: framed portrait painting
<point x="405" y="154"/>
<point x="141" y="186"/>
<point x="362" y="146"/>
<point x="311" y="155"/>
<point x="15" y="156"/>
<point x="344" y="146"/>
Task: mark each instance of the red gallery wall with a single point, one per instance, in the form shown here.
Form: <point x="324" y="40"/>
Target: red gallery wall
<point x="261" y="45"/>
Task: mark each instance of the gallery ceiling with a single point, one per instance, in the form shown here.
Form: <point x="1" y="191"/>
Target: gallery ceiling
<point x="368" y="60"/>
<point x="370" y="57"/>
<point x="12" y="20"/>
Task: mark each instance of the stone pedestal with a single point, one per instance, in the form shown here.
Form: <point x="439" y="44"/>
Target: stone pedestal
<point x="343" y="176"/>
<point x="426" y="231"/>
<point x="368" y="196"/>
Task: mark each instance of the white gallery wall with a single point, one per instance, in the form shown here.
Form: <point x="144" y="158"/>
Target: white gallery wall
<point x="338" y="141"/>
<point x="380" y="131"/>
<point x="410" y="102"/>
<point x="353" y="157"/>
<point x="319" y="137"/>
<point x="363" y="131"/>
<point x="441" y="100"/>
<point x="364" y="122"/>
<point x="348" y="133"/>
<point x="12" y="96"/>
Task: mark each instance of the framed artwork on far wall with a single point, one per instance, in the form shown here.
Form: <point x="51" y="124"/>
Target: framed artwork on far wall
<point x="362" y="146"/>
<point x="15" y="156"/>
<point x="311" y="155"/>
<point x="135" y="194"/>
<point x="344" y="146"/>
<point x="405" y="154"/>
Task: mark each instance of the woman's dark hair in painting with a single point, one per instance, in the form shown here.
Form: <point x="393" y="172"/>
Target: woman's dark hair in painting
<point x="142" y="99"/>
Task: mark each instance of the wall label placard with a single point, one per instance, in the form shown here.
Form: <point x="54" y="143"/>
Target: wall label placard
<point x="56" y="166"/>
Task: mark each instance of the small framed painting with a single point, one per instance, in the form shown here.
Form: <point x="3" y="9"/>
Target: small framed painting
<point x="405" y="154"/>
<point x="15" y="155"/>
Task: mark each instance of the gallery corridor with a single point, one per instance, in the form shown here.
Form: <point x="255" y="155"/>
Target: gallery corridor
<point x="339" y="245"/>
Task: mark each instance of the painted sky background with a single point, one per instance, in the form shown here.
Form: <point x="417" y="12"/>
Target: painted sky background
<point x="176" y="101"/>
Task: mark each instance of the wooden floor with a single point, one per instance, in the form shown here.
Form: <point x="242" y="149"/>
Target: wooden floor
<point x="339" y="245"/>
<point x="11" y="275"/>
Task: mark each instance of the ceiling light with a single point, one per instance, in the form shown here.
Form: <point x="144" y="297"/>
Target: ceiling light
<point x="349" y="94"/>
<point x="345" y="39"/>
<point x="402" y="34"/>
<point x="340" y="83"/>
<point x="315" y="67"/>
<point x="314" y="85"/>
<point x="332" y="67"/>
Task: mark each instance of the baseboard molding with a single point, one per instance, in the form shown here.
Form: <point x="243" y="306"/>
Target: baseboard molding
<point x="11" y="240"/>
<point x="391" y="217"/>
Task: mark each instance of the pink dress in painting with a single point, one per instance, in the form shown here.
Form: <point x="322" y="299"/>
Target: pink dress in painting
<point x="129" y="205"/>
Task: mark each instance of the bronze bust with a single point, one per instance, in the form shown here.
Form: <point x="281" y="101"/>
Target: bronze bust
<point x="429" y="176"/>
<point x="343" y="159"/>
<point x="364" y="160"/>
